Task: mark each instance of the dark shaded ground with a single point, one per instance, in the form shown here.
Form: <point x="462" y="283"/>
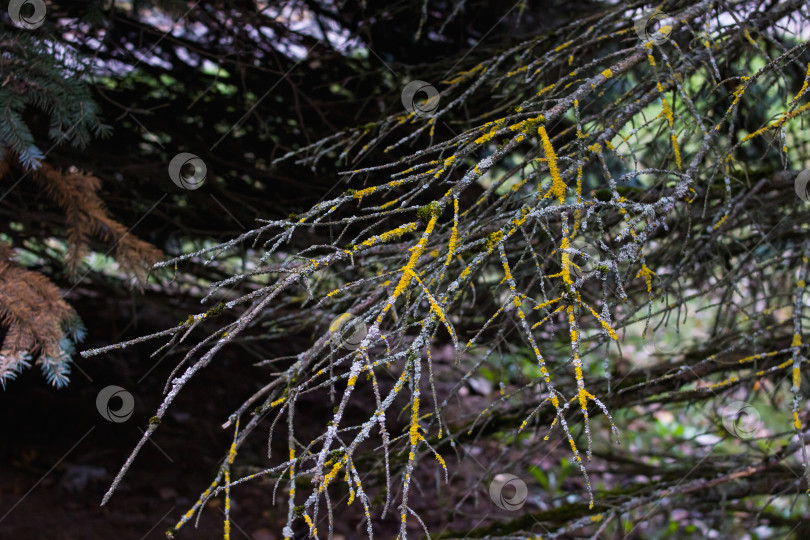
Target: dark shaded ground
<point x="58" y="454"/>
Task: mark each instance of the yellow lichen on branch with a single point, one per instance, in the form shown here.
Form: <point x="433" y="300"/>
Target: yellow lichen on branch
<point x="408" y="269"/>
<point x="558" y="187"/>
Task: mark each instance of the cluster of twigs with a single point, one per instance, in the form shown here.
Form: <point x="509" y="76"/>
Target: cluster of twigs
<point x="621" y="192"/>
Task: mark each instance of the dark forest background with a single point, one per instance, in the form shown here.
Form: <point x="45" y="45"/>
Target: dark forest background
<point x="97" y="101"/>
